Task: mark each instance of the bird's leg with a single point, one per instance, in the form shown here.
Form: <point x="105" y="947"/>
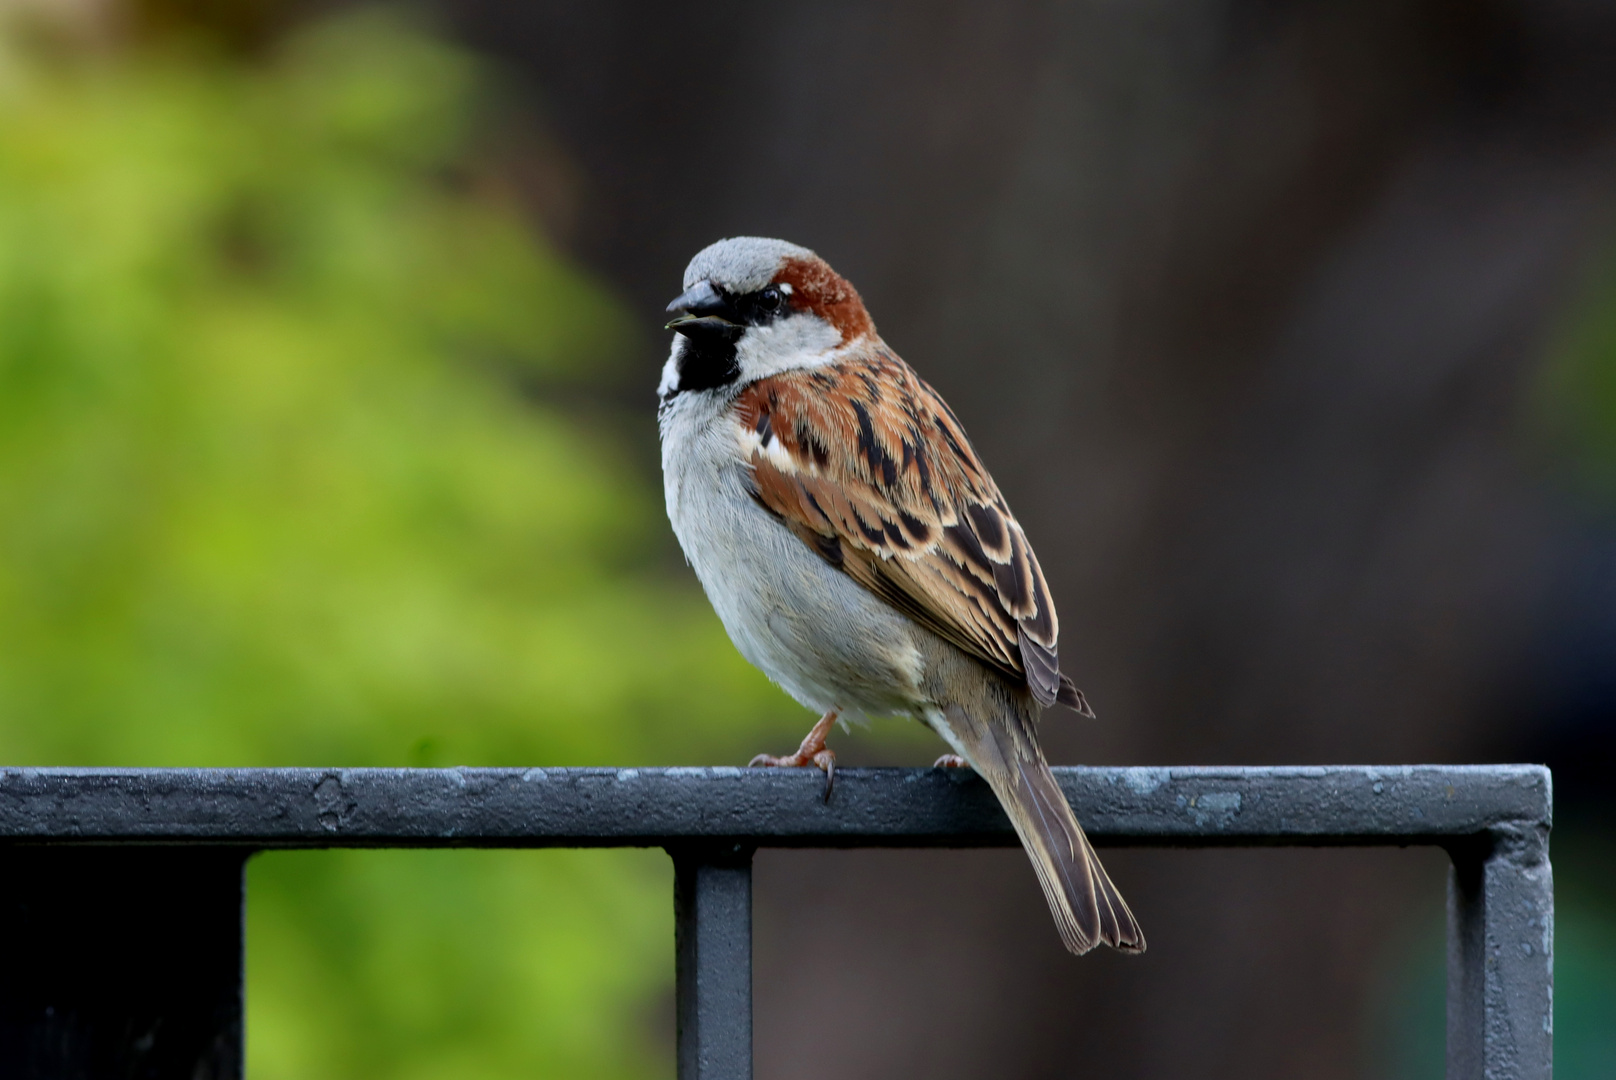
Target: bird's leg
<point x="951" y="761"/>
<point x="813" y="751"/>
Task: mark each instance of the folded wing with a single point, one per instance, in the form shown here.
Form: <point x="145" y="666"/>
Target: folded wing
<point x="904" y="507"/>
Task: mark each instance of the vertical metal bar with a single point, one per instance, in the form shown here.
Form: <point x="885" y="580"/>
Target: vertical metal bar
<point x="1501" y="958"/>
<point x="712" y="904"/>
<point x="1466" y="963"/>
<point x="1517" y="885"/>
<point x="121" y="962"/>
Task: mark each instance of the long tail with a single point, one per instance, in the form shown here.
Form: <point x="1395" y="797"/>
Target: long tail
<point x="1088" y="909"/>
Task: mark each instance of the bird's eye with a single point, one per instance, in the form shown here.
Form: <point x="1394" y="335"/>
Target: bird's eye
<point x="770" y="299"/>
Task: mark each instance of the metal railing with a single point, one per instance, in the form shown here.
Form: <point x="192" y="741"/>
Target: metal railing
<point x="123" y="890"/>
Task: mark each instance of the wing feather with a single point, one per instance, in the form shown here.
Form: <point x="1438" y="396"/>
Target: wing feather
<point x="864" y="462"/>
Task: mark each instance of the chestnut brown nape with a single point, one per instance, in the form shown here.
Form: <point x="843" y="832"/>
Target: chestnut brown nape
<point x="817" y="288"/>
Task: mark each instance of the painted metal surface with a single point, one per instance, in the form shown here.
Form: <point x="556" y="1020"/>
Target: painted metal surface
<point x="1194" y="807"/>
<point x="174" y="829"/>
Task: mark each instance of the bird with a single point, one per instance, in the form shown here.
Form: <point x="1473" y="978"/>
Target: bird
<point x="858" y="552"/>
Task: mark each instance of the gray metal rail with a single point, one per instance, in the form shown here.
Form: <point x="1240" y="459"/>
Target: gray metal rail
<point x="121" y="889"/>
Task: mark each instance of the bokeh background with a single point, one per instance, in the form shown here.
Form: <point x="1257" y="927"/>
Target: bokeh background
<point x="328" y="339"/>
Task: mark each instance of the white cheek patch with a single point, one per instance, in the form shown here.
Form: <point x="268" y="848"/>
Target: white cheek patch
<point x="796" y="341"/>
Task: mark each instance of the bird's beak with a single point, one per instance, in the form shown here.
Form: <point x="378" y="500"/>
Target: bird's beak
<point x="703" y="312"/>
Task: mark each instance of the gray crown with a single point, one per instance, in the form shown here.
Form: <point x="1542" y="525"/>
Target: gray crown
<point x="741" y="264"/>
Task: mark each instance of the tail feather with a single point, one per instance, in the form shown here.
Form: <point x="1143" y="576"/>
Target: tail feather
<point x="1087" y="908"/>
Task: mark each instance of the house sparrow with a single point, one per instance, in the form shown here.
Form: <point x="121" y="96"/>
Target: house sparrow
<point x="856" y="549"/>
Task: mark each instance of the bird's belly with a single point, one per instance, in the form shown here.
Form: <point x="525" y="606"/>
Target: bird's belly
<point x="819" y="634"/>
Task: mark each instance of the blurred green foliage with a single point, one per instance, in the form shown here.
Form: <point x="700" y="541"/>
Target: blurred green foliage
<point x="270" y="495"/>
<point x="1576" y="407"/>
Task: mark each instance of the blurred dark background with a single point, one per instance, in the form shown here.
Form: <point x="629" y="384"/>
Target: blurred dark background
<point x="1246" y="305"/>
<point x="1288" y="329"/>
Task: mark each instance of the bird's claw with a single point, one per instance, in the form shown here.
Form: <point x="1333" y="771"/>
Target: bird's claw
<point x="951" y="761"/>
<point x="813" y="751"/>
<point x="824" y="759"/>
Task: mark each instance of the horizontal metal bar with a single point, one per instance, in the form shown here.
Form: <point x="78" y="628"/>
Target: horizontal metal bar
<point x="764" y="807"/>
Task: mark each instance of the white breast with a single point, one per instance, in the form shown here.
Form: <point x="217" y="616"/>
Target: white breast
<point x="819" y="634"/>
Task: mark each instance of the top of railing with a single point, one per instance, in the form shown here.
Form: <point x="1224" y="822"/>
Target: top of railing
<point x="546" y="807"/>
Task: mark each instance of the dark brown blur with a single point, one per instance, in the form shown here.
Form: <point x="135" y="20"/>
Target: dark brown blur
<point x="1240" y="302"/>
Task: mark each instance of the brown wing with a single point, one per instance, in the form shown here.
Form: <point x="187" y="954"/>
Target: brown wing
<point x="868" y="465"/>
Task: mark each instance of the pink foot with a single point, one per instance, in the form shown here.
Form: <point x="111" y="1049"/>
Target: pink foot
<point x="813" y="751"/>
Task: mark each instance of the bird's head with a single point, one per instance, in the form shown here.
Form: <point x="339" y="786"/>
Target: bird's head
<point x="753" y="307"/>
